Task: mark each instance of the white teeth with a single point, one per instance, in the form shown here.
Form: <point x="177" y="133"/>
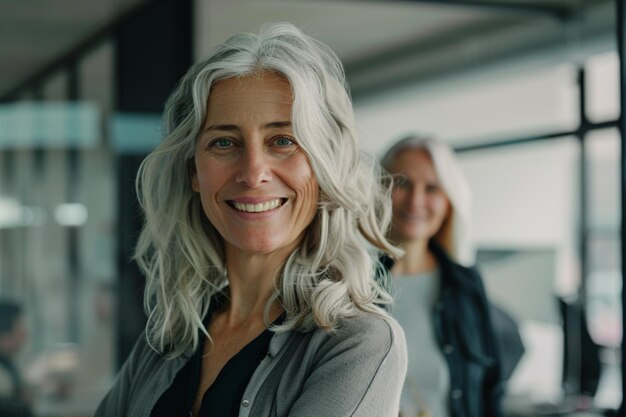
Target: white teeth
<point x="257" y="208"/>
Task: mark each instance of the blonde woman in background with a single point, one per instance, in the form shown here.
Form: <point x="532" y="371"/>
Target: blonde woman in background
<point x="440" y="301"/>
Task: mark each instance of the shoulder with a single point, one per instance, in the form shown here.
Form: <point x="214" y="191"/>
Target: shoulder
<point x="366" y="334"/>
<point x="370" y="325"/>
<point x="363" y="347"/>
<point x="468" y="273"/>
<point x="460" y="276"/>
<point x="141" y="352"/>
<point x="450" y="267"/>
<point x="144" y="361"/>
<point x="142" y="364"/>
<point x="339" y="372"/>
<point x="144" y="372"/>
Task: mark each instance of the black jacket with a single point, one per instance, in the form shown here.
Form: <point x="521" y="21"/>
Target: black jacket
<point x="465" y="335"/>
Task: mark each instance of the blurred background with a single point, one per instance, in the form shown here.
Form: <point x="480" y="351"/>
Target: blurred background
<point x="527" y="91"/>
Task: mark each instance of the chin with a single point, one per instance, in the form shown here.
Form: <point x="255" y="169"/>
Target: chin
<point x="256" y="248"/>
<point x="412" y="237"/>
<point x="259" y="246"/>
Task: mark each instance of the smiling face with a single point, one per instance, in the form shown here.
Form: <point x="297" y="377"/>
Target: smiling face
<point x="255" y="183"/>
<point x="420" y="205"/>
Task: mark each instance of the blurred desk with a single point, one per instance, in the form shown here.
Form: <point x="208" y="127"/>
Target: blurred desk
<point x="80" y="404"/>
<point x="570" y="407"/>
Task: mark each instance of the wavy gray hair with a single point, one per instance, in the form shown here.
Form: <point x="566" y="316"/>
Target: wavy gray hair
<point x="331" y="275"/>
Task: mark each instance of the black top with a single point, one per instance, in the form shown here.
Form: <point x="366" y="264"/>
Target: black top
<point x="223" y="397"/>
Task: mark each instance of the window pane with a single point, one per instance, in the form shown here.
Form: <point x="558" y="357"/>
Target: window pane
<point x="602" y="77"/>
<point x="57" y="257"/>
<point x="525" y="203"/>
<point x="604" y="281"/>
<point x="603" y="179"/>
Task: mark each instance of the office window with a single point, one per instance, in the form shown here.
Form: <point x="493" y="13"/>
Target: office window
<point x="604" y="280"/>
<point x="602" y="82"/>
<point x="525" y="204"/>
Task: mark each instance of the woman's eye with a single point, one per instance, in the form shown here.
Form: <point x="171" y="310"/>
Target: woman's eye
<point x="222" y="143"/>
<point x="284" y="141"/>
<point x="432" y="188"/>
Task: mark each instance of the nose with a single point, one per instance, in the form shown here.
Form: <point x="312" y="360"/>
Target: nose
<point x="255" y="168"/>
<point x="417" y="196"/>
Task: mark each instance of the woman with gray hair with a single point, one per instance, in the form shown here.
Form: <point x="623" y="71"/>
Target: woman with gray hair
<point x="454" y="367"/>
<point x="263" y="228"/>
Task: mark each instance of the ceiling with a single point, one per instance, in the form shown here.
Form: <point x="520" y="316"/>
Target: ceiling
<point x="34" y="33"/>
<point x="379" y="41"/>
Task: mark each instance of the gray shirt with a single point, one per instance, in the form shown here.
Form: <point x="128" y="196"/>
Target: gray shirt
<point x="428" y="378"/>
<point x="358" y="370"/>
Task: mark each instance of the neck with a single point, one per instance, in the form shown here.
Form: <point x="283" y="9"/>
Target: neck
<point x="252" y="282"/>
<point x="417" y="259"/>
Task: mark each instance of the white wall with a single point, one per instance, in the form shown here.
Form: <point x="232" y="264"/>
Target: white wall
<point x="487" y="106"/>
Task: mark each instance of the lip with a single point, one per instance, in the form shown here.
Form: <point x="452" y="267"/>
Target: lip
<point x="255" y="215"/>
<point x="413" y="217"/>
<point x="253" y="200"/>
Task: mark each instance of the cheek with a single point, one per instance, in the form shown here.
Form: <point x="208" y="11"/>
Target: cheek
<point x="208" y="176"/>
<point x="310" y="193"/>
<point x="397" y="196"/>
<point x="440" y="206"/>
<point x="207" y="184"/>
<point x="204" y="187"/>
<point x="303" y="180"/>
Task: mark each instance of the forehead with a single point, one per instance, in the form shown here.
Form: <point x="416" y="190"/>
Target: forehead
<point x="262" y="87"/>
<point x="414" y="163"/>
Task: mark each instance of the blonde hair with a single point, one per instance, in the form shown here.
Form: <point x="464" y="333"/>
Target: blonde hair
<point x="330" y="276"/>
<point x="455" y="233"/>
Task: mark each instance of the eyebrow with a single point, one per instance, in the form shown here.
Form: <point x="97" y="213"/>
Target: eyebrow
<point x="235" y="128"/>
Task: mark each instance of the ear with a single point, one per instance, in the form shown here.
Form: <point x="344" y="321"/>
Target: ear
<point x="194" y="183"/>
<point x="193" y="174"/>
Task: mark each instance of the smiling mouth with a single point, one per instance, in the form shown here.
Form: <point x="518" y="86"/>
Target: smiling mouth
<point x="414" y="217"/>
<point x="259" y="207"/>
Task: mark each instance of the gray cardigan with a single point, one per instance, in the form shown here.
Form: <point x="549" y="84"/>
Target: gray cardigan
<point x="356" y="371"/>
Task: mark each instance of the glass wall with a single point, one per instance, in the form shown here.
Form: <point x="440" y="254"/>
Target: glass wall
<point x="57" y="233"/>
<point x="603" y="286"/>
<point x="526" y="221"/>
